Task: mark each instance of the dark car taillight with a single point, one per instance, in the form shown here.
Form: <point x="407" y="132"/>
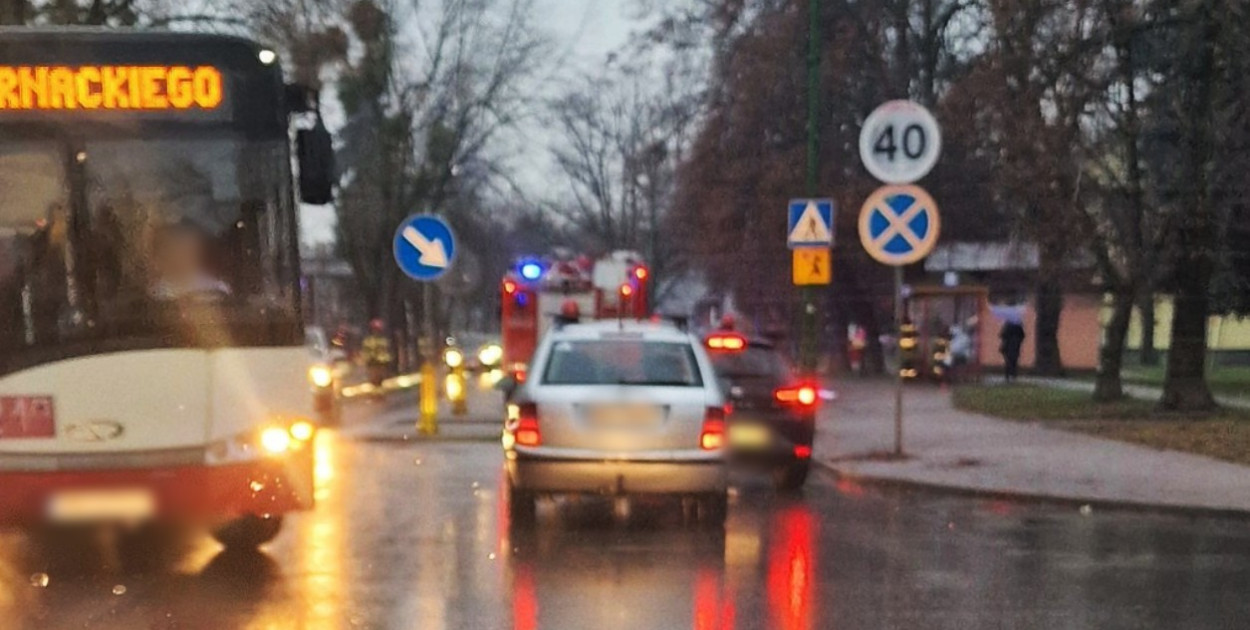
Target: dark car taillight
<point x="527" y="432"/>
<point x="712" y="438"/>
<point x="725" y="342"/>
<point x="804" y="397"/>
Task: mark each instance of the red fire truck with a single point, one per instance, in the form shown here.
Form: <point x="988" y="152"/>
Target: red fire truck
<point x="539" y="290"/>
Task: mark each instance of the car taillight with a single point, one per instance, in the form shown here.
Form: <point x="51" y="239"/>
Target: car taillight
<point x="726" y="342"/>
<point x="713" y="436"/>
<point x="802" y="451"/>
<point x="804" y="396"/>
<point x="527" y="431"/>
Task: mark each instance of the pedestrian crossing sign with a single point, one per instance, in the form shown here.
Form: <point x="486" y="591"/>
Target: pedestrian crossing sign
<point x="811" y="223"/>
<point x="812" y="265"/>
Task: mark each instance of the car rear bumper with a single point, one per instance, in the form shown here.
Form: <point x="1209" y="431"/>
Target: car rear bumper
<point x="784" y="433"/>
<point x="208" y="494"/>
<point x="616" y="476"/>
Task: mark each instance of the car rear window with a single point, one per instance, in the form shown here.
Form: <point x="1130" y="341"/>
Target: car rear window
<point x="622" y="362"/>
<point x="754" y="362"/>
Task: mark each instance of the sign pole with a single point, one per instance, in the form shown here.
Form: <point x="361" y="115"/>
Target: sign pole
<point x="898" y="374"/>
<point x="899" y="224"/>
<point x="807" y="295"/>
<point x="424" y="249"/>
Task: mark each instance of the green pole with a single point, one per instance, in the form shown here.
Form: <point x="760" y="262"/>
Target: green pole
<point x="808" y="295"/>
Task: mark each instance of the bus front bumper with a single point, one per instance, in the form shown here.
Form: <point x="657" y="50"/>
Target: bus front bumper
<point x="205" y="494"/>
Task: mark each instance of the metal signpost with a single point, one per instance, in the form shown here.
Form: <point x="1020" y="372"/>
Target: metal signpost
<point x="899" y="224"/>
<point x="809" y="315"/>
<point x="424" y="249"/>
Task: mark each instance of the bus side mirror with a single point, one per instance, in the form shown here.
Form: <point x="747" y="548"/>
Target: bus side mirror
<point x="315" y="150"/>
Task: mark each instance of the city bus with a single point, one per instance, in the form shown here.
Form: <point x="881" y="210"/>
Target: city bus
<point x="152" y="360"/>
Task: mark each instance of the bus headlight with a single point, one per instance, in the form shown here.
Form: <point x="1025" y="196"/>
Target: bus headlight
<point x="275" y="440"/>
<point x="321" y="376"/>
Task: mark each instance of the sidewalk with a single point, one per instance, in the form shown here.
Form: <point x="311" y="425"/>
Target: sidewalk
<point x="960" y="451"/>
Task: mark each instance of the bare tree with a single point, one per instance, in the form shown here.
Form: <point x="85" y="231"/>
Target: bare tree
<point x="619" y="142"/>
<point x="70" y="12"/>
<point x="1126" y="228"/>
<point x="422" y="117"/>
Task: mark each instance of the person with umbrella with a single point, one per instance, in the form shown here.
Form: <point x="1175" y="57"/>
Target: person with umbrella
<point x="1012" y="338"/>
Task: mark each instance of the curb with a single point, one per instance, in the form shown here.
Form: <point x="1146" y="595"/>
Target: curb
<point x="1039" y="498"/>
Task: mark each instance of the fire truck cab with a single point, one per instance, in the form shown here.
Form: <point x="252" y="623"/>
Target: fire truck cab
<point x="539" y="291"/>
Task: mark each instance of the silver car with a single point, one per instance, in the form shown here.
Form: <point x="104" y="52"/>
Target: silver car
<point x="618" y="408"/>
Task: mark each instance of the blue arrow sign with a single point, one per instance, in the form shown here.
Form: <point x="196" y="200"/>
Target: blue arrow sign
<point x="811" y="223"/>
<point x="899" y="225"/>
<point x="424" y="247"/>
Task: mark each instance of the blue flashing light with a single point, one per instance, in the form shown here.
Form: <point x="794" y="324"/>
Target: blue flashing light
<point x="531" y="270"/>
<point x="522" y="299"/>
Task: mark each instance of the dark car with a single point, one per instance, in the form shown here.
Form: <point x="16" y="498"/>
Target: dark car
<point x="773" y="413"/>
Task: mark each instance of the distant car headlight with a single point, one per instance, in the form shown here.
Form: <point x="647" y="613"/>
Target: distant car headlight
<point x="453" y="358"/>
<point x="320" y="375"/>
<point x="490" y="355"/>
<point x="275" y="440"/>
<point x="303" y="431"/>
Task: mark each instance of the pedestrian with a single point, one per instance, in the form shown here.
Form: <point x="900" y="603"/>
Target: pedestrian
<point x="960" y="351"/>
<point x="1012" y="336"/>
<point x="376" y="352"/>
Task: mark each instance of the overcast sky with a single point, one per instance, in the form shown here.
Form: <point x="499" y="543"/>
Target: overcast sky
<point x="584" y="32"/>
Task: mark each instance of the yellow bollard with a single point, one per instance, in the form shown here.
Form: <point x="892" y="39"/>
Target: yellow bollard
<point x="428" y="424"/>
<point x="455" y="387"/>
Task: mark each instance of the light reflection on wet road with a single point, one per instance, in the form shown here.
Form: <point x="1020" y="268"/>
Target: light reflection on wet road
<point x="415" y="536"/>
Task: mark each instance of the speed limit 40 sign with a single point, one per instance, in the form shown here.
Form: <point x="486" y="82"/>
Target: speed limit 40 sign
<point x="900" y="142"/>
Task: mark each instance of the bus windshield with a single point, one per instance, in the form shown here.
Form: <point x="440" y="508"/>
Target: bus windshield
<point x="164" y="241"/>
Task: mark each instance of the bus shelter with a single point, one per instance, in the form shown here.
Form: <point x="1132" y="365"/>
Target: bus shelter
<point x="946" y="325"/>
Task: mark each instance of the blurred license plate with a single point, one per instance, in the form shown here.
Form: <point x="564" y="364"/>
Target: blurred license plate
<point x="101" y="505"/>
<point x="749" y="436"/>
<point x="625" y="416"/>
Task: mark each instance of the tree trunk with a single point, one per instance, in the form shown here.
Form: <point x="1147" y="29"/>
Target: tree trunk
<point x="1185" y="388"/>
<point x="1146" y="308"/>
<point x="1046" y="361"/>
<point x="874" y="359"/>
<point x="12" y="12"/>
<point x="1108" y="385"/>
<point x="839" y="355"/>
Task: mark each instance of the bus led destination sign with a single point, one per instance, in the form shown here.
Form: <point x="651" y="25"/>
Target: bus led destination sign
<point x="102" y="88"/>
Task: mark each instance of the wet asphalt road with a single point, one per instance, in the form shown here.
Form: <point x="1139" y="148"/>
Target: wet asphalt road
<point x="414" y="535"/>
